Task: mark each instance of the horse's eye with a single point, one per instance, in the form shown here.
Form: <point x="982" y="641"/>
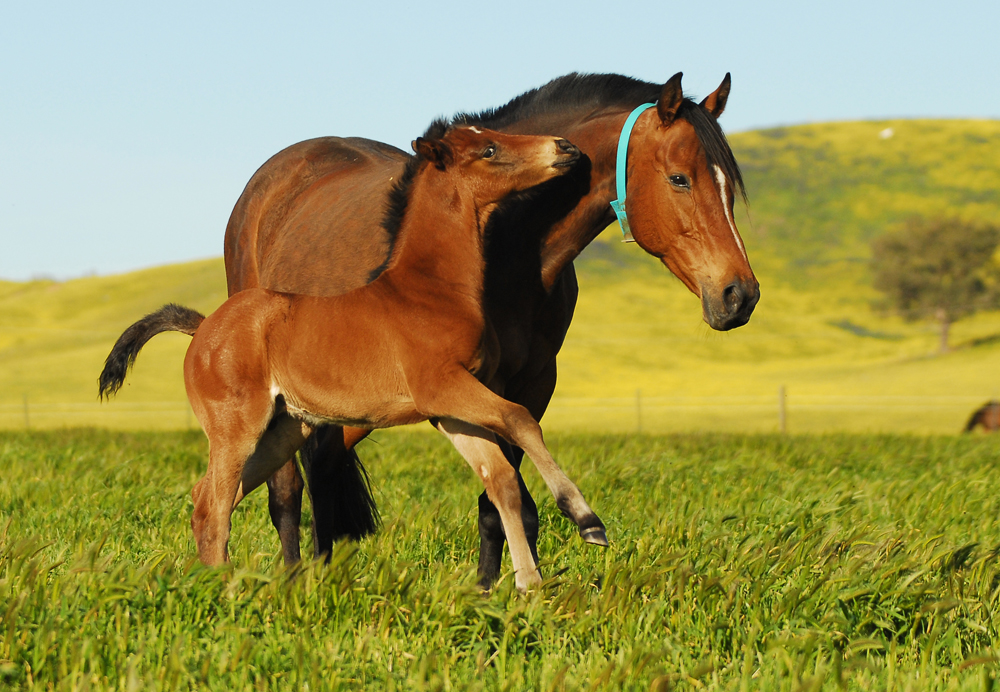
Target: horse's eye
<point x="679" y="181"/>
<point x="490" y="151"/>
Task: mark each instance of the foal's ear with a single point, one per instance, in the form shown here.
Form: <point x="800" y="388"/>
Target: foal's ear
<point x="434" y="151"/>
<point x="671" y="99"/>
<point x="715" y="102"/>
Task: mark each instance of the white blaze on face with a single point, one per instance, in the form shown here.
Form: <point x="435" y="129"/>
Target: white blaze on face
<point x="720" y="178"/>
<point x="476" y="130"/>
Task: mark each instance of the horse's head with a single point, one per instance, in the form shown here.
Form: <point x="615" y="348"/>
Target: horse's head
<point x="682" y="184"/>
<point x="493" y="164"/>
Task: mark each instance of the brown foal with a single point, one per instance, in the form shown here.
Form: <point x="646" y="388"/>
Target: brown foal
<point x="266" y="368"/>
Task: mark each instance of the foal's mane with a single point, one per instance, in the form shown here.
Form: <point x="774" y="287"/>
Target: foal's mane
<point x="399" y="195"/>
<point x="588" y="93"/>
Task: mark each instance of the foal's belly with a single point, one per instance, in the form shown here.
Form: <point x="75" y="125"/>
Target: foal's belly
<point x="386" y="414"/>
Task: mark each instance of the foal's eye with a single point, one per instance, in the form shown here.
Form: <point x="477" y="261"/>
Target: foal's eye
<point x="490" y="151"/>
<point x="678" y="180"/>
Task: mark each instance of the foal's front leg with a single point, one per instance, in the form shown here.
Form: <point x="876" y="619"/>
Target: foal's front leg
<point x="463" y="397"/>
<point x="500" y="479"/>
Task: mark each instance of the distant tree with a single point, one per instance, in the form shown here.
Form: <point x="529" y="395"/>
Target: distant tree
<point x="942" y="269"/>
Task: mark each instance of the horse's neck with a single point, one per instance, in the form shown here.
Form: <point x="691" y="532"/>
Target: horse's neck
<point x="439" y="242"/>
<point x="596" y="136"/>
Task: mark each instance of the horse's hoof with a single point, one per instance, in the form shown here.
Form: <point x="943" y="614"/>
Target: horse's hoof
<point x="595" y="535"/>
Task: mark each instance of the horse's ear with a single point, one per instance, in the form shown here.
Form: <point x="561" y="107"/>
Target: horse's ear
<point x="715" y="102"/>
<point x="671" y="99"/>
<point x="433" y="150"/>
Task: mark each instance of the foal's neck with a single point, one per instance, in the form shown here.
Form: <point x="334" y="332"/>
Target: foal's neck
<point x="440" y="238"/>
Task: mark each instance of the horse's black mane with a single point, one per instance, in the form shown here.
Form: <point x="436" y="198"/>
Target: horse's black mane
<point x="572" y="92"/>
<point x="592" y="92"/>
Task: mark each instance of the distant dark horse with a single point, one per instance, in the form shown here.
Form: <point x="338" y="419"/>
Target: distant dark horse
<point x="987" y="415"/>
<point x="309" y="222"/>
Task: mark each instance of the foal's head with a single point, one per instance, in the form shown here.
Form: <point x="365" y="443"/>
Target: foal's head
<point x="490" y="165"/>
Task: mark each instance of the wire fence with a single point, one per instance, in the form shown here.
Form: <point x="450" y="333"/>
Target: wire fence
<point x="781" y="411"/>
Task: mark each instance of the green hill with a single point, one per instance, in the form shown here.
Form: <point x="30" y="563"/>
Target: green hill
<point x="819" y="194"/>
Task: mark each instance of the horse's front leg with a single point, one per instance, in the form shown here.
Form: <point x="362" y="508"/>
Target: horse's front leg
<point x="478" y="447"/>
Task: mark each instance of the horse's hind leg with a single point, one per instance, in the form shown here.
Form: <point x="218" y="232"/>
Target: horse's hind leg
<point x="284" y="504"/>
<point x="482" y="454"/>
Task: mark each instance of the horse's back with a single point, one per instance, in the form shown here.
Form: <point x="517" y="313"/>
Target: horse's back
<point x="309" y="220"/>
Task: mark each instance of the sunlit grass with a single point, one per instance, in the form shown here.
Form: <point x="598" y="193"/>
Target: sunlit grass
<point x="737" y="563"/>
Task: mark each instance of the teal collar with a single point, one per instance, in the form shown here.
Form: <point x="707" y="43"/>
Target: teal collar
<point x="620" y="170"/>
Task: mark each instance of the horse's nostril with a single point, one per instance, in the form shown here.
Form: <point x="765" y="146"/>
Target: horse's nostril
<point x="732" y="297"/>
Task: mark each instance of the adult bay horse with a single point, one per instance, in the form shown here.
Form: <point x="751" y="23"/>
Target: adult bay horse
<point x="308" y="222"/>
<point x="266" y="368"/>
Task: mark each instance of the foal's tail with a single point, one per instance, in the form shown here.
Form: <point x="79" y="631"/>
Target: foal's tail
<point x="169" y="318"/>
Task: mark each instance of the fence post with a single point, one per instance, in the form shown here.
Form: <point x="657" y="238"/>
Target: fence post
<point x="27" y="421"/>
<point x="638" y="410"/>
<point x="782" y="417"/>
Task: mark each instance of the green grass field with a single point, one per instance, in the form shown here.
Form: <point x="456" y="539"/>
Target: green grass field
<point x="736" y="563"/>
<point x="819" y="194"/>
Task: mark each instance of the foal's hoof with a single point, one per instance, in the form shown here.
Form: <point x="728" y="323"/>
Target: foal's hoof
<point x="595" y="535"/>
<point x="531" y="581"/>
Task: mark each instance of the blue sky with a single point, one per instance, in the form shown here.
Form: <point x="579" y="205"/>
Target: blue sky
<point x="129" y="129"/>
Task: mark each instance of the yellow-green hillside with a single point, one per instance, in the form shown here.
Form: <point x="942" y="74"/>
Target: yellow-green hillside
<point x="818" y="194"/>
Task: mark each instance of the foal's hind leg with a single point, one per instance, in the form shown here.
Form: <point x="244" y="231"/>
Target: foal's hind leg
<point x="241" y="457"/>
<point x="500" y="479"/>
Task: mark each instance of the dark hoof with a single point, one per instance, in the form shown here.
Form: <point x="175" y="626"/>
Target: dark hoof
<point x="486" y="582"/>
<point x="595" y="535"/>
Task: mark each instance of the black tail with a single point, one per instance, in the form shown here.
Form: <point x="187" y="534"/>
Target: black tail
<point x="169" y="318"/>
<point x="339" y="485"/>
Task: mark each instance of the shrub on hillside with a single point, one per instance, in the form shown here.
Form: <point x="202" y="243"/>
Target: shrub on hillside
<point x="942" y="269"/>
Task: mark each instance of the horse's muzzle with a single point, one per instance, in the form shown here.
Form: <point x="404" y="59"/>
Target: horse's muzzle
<point x="733" y="307"/>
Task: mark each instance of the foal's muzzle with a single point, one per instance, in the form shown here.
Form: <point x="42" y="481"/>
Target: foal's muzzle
<point x="568" y="153"/>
